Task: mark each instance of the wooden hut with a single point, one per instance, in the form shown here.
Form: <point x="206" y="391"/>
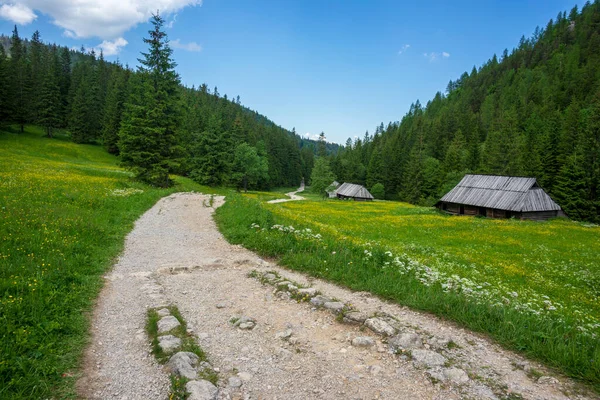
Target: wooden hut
<point x="500" y="197"/>
<point x="354" y="192"/>
<point x="331" y="189"/>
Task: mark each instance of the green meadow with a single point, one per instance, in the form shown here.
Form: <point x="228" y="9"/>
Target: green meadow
<point x="64" y="212"/>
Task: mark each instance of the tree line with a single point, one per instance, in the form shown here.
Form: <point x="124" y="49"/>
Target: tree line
<point x="146" y="116"/>
<point x="534" y="111"/>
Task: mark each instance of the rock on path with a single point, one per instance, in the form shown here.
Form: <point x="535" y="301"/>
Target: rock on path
<point x="175" y="255"/>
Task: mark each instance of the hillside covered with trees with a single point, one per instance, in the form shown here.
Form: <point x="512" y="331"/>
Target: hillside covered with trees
<point x="79" y="91"/>
<point x="533" y="111"/>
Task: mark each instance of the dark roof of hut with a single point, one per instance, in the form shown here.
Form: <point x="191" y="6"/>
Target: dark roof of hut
<point x="354" y="190"/>
<point x="501" y="192"/>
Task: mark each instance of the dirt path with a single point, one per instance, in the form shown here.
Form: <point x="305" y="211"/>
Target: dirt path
<point x="296" y="351"/>
<point x="292" y="196"/>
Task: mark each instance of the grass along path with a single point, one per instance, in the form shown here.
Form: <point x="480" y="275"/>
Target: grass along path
<point x="531" y="286"/>
<point x="64" y="212"/>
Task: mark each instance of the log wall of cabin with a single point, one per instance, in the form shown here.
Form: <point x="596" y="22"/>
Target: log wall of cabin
<point x="539" y="215"/>
<point x="471" y="210"/>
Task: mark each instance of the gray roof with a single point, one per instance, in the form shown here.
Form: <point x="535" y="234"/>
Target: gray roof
<point x="501" y="192"/>
<point x="334" y="184"/>
<point x="353" y="190"/>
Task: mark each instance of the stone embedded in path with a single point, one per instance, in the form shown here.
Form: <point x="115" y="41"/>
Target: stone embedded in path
<point x="221" y="305"/>
<point x="335" y="306"/>
<point x="355" y="317"/>
<point x="379" y="326"/>
<point x="245" y="323"/>
<point x="169" y="343"/>
<point x="245" y="376"/>
<point x="428" y="358"/>
<point x="284" y="295"/>
<point x="163" y="312"/>
<point x="183" y="364"/>
<point x="547" y="380"/>
<point x="201" y="390"/>
<point x="319" y="300"/>
<point x="270" y="277"/>
<point x="234" y="382"/>
<point x="363" y="341"/>
<point x="453" y="375"/>
<point x="165" y="324"/>
<point x="284" y="334"/>
<point x="405" y="341"/>
<point x="310" y="292"/>
<point x="456" y="375"/>
<point x="246" y="326"/>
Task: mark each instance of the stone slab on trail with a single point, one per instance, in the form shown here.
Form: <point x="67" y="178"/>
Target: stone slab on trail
<point x="295" y="350"/>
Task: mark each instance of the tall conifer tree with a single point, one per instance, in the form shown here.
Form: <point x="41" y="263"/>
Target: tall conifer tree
<point x="49" y="101"/>
<point x="18" y="79"/>
<point x="148" y="140"/>
<point x="4" y="92"/>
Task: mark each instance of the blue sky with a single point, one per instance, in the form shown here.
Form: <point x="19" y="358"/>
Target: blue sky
<point x="341" y="67"/>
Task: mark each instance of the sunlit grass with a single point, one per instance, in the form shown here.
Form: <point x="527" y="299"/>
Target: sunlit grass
<point x="533" y="286"/>
<point x="64" y="212"/>
<point x="264" y="196"/>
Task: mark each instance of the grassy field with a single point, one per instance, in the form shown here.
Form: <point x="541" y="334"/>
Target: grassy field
<point x="264" y="196"/>
<point x="64" y="212"/>
<point x="533" y="286"/>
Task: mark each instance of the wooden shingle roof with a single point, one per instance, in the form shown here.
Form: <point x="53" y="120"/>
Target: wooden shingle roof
<point x="354" y="190"/>
<point x="501" y="192"/>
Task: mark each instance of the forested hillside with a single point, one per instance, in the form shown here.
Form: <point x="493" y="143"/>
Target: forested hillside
<point x="533" y="111"/>
<point x="59" y="88"/>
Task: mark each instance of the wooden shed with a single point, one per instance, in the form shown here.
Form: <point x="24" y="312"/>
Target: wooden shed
<point x="354" y="192"/>
<point x="500" y="197"/>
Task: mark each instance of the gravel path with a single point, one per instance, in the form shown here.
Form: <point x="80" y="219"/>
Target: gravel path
<point x="175" y="255"/>
<point x="292" y="196"/>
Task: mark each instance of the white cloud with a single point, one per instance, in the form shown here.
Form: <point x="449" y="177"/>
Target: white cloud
<point x="309" y="135"/>
<point x="191" y="46"/>
<point x="18" y="13"/>
<point x="105" y="19"/>
<point x="436" y="56"/>
<point x="111" y="48"/>
<point x="403" y="49"/>
<point x="172" y="22"/>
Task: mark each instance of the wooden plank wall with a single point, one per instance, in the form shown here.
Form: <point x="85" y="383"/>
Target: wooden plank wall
<point x="470" y="210"/>
<point x="539" y="215"/>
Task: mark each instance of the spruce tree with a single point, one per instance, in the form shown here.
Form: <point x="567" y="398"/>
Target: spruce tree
<point x="412" y="180"/>
<point x="38" y="64"/>
<point x="19" y="95"/>
<point x="64" y="82"/>
<point x="49" y="101"/>
<point x="79" y="122"/>
<point x="211" y="157"/>
<point x="375" y="171"/>
<point x="4" y="92"/>
<point x="571" y="189"/>
<point x="148" y="140"/>
<point x="113" y="110"/>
